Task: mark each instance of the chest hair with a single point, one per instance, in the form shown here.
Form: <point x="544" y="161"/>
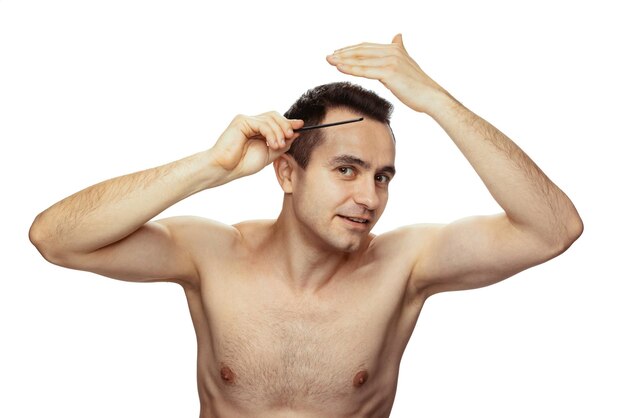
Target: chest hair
<point x="288" y="358"/>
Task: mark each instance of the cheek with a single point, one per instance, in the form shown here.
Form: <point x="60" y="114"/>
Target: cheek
<point x="327" y="189"/>
<point x="383" y="205"/>
<point x="384" y="197"/>
<point x="312" y="199"/>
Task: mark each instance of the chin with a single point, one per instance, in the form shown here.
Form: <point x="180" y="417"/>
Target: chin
<point x="351" y="248"/>
<point x="344" y="241"/>
<point x="348" y="246"/>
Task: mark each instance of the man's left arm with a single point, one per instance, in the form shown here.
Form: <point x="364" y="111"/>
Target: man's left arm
<point x="539" y="221"/>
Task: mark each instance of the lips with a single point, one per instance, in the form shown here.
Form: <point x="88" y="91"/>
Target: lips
<point x="357" y="219"/>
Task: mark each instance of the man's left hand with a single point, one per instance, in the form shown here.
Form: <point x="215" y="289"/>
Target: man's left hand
<point x="392" y="66"/>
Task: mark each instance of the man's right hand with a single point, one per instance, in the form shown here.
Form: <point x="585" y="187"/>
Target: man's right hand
<point x="252" y="142"/>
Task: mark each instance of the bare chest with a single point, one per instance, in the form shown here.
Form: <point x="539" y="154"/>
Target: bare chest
<point x="303" y="354"/>
<point x="263" y="348"/>
<point x="286" y="358"/>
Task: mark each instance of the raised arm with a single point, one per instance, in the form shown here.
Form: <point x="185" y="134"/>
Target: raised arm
<point x="105" y="228"/>
<point x="539" y="221"/>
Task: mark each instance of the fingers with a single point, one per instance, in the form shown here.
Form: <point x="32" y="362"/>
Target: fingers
<point x="369" y="60"/>
<point x="360" y="70"/>
<point x="369" y="50"/>
<point x="370" y="55"/>
<point x="276" y="138"/>
<point x="363" y="51"/>
<point x="296" y="123"/>
<point x="283" y="128"/>
<point x="377" y="67"/>
<point x="275" y="129"/>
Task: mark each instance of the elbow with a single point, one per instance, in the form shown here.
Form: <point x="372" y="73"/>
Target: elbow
<point x="575" y="229"/>
<point x="555" y="239"/>
<point x="41" y="238"/>
<point x="36" y="234"/>
<point x="572" y="230"/>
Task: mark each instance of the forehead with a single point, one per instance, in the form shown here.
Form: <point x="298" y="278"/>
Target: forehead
<point x="369" y="140"/>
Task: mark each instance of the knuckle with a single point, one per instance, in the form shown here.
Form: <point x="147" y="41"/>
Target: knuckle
<point x="394" y="61"/>
<point x="280" y="119"/>
<point x="267" y="131"/>
<point x="269" y="115"/>
<point x="239" y="118"/>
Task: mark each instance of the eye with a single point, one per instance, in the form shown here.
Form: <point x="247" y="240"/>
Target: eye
<point x="346" y="171"/>
<point x="382" y="178"/>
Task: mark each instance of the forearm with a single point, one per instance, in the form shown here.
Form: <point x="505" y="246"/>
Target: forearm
<point x="109" y="211"/>
<point x="529" y="198"/>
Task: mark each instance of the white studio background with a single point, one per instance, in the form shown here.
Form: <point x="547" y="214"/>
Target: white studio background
<point x="94" y="89"/>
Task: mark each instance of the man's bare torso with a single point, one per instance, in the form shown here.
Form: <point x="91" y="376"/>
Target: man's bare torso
<point x="265" y="350"/>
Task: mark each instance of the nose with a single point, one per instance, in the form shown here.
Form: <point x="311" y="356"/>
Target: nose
<point x="366" y="194"/>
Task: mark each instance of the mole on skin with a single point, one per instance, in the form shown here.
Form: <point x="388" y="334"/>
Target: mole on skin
<point x="360" y="378"/>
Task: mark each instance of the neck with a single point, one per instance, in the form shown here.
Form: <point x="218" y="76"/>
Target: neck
<point x="308" y="263"/>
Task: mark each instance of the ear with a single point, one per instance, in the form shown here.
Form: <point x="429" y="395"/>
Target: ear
<point x="285" y="167"/>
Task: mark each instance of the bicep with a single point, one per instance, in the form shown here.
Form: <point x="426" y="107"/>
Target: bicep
<point x="153" y="253"/>
<point x="474" y="252"/>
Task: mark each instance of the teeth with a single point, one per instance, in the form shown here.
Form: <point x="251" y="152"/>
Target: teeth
<point x="358" y="220"/>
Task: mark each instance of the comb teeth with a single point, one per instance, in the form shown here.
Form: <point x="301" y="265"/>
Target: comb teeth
<point x="326" y="125"/>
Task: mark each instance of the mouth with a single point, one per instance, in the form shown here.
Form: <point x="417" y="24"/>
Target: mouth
<point x="356" y="220"/>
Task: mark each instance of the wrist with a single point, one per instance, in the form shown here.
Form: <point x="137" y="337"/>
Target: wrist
<point x="440" y="103"/>
<point x="206" y="172"/>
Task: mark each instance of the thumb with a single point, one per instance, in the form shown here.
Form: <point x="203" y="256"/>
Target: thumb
<point x="398" y="40"/>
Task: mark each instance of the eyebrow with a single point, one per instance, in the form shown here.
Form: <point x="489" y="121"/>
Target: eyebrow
<point x="352" y="160"/>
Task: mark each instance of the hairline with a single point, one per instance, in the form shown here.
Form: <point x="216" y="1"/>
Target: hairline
<point x="320" y="136"/>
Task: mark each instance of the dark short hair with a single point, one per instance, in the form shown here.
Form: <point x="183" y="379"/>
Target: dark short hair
<point x="313" y="105"/>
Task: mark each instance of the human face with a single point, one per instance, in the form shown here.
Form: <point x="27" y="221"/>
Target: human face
<point x="343" y="191"/>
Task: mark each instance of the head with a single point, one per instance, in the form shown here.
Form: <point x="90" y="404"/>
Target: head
<point x="313" y="106"/>
<point x="336" y="179"/>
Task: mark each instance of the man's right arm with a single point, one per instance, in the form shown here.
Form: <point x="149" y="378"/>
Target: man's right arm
<point x="105" y="228"/>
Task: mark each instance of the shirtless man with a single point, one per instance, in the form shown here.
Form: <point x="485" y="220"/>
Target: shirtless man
<point x="308" y="315"/>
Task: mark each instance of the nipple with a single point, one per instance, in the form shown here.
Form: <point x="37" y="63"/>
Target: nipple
<point x="227" y="375"/>
<point x="360" y="378"/>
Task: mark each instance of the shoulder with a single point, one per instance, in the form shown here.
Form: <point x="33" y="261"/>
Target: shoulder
<point x="189" y="224"/>
<point x="197" y="233"/>
<point x="402" y="247"/>
<point x="405" y="241"/>
<point x="211" y="233"/>
<point x="254" y="227"/>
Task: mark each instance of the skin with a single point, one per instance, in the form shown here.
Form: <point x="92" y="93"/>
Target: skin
<point x="308" y="315"/>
